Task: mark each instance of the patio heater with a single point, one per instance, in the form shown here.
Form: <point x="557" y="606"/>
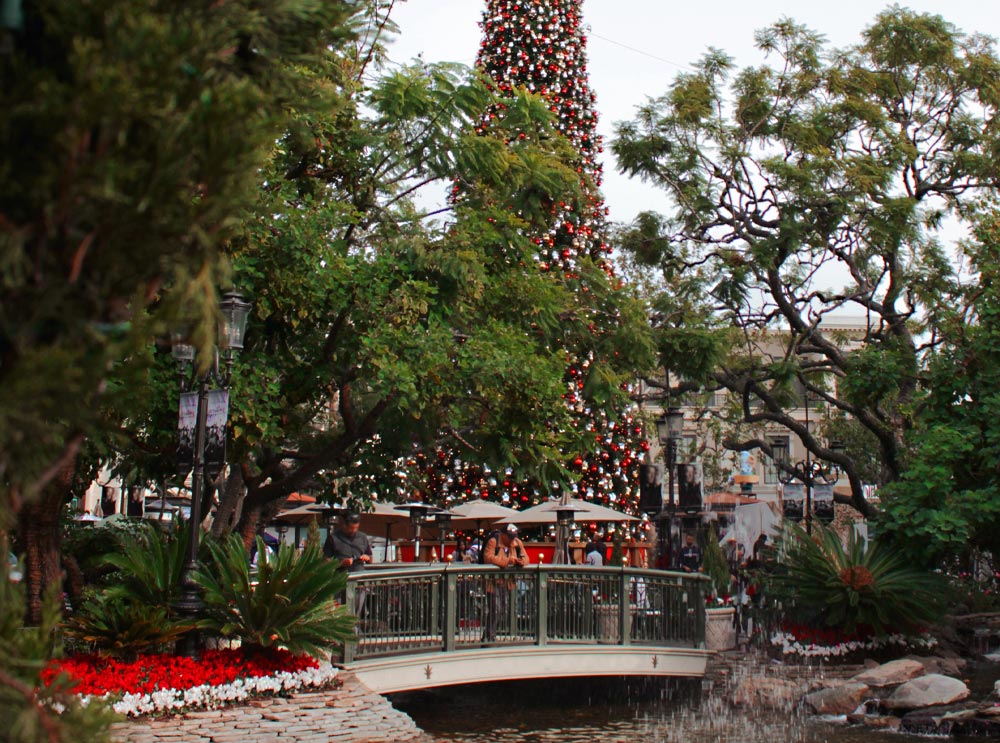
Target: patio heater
<point x="564" y="520"/>
<point x="669" y="429"/>
<point x="442" y="519"/>
<point x="419" y="513"/>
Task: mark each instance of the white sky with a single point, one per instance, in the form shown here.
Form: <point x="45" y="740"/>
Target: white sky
<point x="635" y="48"/>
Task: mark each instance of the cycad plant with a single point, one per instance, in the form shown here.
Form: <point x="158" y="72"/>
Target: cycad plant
<point x="291" y="605"/>
<point x="137" y="614"/>
<point x="152" y="567"/>
<point x="823" y="583"/>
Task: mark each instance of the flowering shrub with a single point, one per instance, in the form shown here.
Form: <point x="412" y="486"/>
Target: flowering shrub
<point x="826" y="642"/>
<point x="713" y="601"/>
<point x="162" y="683"/>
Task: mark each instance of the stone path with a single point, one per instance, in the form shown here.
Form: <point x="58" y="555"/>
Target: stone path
<point x="350" y="714"/>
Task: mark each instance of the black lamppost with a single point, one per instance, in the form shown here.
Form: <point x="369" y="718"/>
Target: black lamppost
<point x="234" y="311"/>
<point x="809" y="473"/>
<point x="669" y="429"/>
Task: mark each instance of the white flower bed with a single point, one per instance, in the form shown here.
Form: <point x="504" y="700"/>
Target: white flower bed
<point x="209" y="697"/>
<point x="790" y="646"/>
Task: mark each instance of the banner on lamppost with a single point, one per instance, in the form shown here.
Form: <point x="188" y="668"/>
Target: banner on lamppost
<point x="650" y="489"/>
<point x="822" y="502"/>
<point x="187" y="420"/>
<point x="793" y="498"/>
<point x="689" y="487"/>
<point x="215" y="439"/>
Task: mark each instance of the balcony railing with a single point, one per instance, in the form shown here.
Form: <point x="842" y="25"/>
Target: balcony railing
<point x="444" y="608"/>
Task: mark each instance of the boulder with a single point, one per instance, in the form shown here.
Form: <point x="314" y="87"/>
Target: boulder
<point x="940" y="720"/>
<point x="927" y="691"/>
<point x="879" y="722"/>
<point x="838" y="700"/>
<point x="892" y="673"/>
<point x="765" y="691"/>
<point x="947" y="665"/>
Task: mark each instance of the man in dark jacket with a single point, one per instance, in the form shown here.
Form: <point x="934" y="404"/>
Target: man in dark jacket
<point x="349" y="545"/>
<point x="690" y="556"/>
<point x="351" y="549"/>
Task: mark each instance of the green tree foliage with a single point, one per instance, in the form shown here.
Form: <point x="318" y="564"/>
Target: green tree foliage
<point x="381" y="331"/>
<point x="290" y="603"/>
<point x="33" y="713"/>
<point x="809" y="189"/>
<point x="820" y="582"/>
<point x="135" y="137"/>
<point x="948" y="500"/>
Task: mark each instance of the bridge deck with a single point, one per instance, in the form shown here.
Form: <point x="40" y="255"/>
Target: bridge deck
<point x="425" y="670"/>
<point x="437" y="626"/>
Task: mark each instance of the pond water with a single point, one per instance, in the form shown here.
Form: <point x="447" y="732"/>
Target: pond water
<point x="613" y="710"/>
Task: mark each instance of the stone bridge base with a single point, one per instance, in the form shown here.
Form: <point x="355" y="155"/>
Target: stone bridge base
<point x="350" y="714"/>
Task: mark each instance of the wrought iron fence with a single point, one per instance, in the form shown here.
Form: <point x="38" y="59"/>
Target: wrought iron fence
<point x="423" y="609"/>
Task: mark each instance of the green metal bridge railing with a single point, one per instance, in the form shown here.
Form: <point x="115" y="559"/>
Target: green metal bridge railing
<point x="453" y="607"/>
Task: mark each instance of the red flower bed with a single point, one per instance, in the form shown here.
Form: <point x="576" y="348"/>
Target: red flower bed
<point x="826" y="636"/>
<point x="148" y="673"/>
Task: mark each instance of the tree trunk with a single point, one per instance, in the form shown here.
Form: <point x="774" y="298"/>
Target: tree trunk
<point x="40" y="534"/>
<point x="247" y="526"/>
<point x="231" y="497"/>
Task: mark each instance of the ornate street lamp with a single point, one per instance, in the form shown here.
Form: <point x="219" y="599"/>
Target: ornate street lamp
<point x="204" y="452"/>
<point x="669" y="429"/>
<point x="809" y="473"/>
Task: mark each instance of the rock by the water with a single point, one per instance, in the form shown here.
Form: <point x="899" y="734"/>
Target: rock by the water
<point x="766" y="691"/>
<point x="892" y="673"/>
<point x="879" y="722"/>
<point x="927" y="691"/>
<point x="838" y="700"/>
<point x="941" y="720"/>
<point x="946" y="665"/>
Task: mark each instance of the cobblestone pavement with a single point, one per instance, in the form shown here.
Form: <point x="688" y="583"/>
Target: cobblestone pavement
<point x="350" y="714"/>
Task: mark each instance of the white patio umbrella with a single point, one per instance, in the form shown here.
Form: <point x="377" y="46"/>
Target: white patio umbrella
<point x="301" y="515"/>
<point x="584" y="512"/>
<point x="477" y="512"/>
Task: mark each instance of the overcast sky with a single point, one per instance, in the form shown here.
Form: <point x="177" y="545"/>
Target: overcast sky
<point x="636" y="47"/>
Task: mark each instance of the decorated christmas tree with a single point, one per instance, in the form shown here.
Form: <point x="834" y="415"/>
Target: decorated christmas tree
<point x="539" y="45"/>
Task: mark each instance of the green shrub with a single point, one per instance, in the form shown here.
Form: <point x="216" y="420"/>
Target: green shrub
<point x="123" y="627"/>
<point x="821" y="583"/>
<point x="714" y="563"/>
<point x="137" y="614"/>
<point x="90" y="545"/>
<point x="291" y="605"/>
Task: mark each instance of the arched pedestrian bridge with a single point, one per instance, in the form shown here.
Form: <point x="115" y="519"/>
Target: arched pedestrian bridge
<point x="432" y="626"/>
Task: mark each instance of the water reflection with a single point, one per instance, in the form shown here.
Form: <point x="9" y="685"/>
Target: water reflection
<point x="613" y="711"/>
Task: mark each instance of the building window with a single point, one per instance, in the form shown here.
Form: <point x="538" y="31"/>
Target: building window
<point x="779" y="447"/>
